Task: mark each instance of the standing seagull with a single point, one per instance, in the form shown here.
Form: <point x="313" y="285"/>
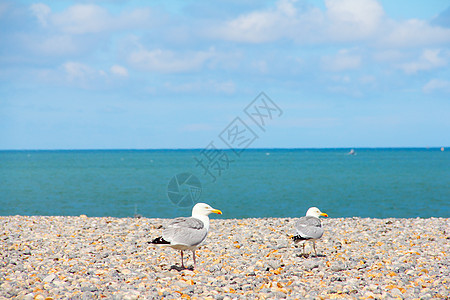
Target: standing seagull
<point x="309" y="228"/>
<point x="188" y="233"/>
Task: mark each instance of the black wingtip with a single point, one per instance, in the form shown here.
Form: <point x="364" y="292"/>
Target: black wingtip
<point x="297" y="238"/>
<point x="159" y="240"/>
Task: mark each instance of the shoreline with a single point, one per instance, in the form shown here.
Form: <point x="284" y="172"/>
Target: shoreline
<point x="95" y="257"/>
<point x="221" y="218"/>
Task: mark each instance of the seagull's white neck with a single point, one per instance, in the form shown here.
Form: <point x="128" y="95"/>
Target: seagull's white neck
<point x="204" y="219"/>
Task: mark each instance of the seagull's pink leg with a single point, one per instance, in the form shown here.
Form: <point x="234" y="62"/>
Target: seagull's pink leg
<point x="182" y="263"/>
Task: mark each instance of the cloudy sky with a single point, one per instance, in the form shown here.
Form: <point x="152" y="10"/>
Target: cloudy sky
<point x="154" y="74"/>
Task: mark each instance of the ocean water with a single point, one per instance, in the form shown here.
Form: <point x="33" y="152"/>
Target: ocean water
<point x="378" y="183"/>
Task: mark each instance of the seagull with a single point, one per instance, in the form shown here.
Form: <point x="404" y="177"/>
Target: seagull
<point x="309" y="228"/>
<point x="187" y="233"/>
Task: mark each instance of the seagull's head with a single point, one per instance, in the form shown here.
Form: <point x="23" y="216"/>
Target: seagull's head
<point x="204" y="209"/>
<point x="315" y="212"/>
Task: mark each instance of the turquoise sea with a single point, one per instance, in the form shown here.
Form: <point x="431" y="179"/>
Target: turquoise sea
<point x="380" y="183"/>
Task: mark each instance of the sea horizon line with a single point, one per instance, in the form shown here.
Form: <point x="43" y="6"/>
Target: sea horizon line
<point x="229" y="149"/>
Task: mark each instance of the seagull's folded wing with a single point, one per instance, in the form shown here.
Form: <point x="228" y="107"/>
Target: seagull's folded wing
<point x="185" y="231"/>
<point x="309" y="228"/>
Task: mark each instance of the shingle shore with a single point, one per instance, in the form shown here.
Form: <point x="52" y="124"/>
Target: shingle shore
<point x="89" y="258"/>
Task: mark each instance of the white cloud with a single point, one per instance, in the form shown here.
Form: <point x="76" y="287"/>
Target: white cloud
<point x="83" y="18"/>
<point x="430" y="59"/>
<point x="90" y="18"/>
<point x="138" y="18"/>
<point x="80" y="28"/>
<point x="119" y="70"/>
<point x="342" y="21"/>
<point x="411" y="33"/>
<point x="75" y="70"/>
<point x="82" y="75"/>
<point x="259" y="26"/>
<point x="167" y="61"/>
<point x="352" y="19"/>
<point x="85" y="76"/>
<point x="343" y="60"/>
<point x="42" y="12"/>
<point x="437" y="85"/>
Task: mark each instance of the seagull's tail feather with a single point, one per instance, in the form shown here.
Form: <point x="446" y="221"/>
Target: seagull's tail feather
<point x="160" y="241"/>
<point x="298" y="238"/>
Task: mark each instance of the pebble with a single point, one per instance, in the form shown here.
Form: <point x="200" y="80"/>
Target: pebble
<point x="92" y="258"/>
<point x="49" y="278"/>
<point x="338" y="266"/>
<point x="310" y="264"/>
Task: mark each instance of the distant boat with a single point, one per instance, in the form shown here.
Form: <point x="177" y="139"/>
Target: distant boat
<point x="352" y="152"/>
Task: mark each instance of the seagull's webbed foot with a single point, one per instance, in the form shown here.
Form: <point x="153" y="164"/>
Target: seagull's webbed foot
<point x="305" y="255"/>
<point x="320" y="255"/>
<point x="190" y="268"/>
<point x="179" y="269"/>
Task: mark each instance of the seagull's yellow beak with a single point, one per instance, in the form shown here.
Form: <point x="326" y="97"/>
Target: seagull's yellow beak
<point x="216" y="211"/>
<point x="323" y="214"/>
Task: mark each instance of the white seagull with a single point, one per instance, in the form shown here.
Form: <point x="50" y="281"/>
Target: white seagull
<point x="188" y="233"/>
<point x="309" y="228"/>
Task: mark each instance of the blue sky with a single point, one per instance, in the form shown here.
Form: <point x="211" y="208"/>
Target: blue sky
<point x="153" y="74"/>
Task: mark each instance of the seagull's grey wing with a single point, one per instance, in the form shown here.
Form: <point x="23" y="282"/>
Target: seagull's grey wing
<point x="186" y="222"/>
<point x="308" y="221"/>
<point x="185" y="231"/>
<point x="309" y="228"/>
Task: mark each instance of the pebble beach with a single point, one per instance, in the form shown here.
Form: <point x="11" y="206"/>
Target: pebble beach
<point x="110" y="258"/>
